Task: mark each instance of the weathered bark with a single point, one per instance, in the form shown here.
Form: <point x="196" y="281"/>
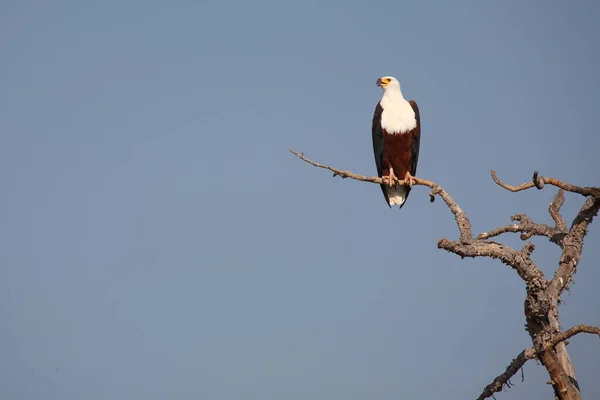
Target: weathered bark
<point x="543" y="296"/>
<point x="541" y="314"/>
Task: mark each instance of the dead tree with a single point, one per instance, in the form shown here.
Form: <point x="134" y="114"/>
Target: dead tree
<point x="543" y="295"/>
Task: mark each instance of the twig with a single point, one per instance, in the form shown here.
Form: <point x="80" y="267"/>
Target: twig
<point x="554" y="210"/>
<point x="527" y="249"/>
<point x="511" y="370"/>
<point x="348" y="174"/>
<point x="539" y="181"/>
<point x="561" y="337"/>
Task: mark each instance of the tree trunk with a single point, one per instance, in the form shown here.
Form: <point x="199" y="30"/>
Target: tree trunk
<point x="541" y="311"/>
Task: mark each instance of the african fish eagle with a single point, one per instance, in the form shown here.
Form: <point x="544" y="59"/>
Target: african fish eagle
<point x="396" y="137"/>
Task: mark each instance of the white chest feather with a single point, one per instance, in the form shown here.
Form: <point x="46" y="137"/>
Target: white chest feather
<point x="398" y="116"/>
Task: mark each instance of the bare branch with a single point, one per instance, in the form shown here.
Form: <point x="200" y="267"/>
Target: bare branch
<point x="573" y="246"/>
<point x="511" y="370"/>
<point x="527" y="229"/>
<point x="539" y="182"/>
<point x="518" y="260"/>
<point x="464" y="226"/>
<point x="466" y="246"/>
<point x="561" y="337"/>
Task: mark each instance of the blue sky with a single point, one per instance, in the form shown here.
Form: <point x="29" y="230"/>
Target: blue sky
<point x="161" y="242"/>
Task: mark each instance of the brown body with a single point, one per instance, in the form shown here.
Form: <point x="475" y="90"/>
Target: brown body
<point x="399" y="151"/>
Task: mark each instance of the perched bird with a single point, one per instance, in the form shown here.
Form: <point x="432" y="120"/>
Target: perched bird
<point x="396" y="137"/>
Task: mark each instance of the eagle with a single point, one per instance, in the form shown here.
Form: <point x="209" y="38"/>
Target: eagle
<point x="396" y="137"/>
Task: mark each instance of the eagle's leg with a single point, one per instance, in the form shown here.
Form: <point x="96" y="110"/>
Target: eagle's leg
<point x="391" y="177"/>
<point x="409" y="180"/>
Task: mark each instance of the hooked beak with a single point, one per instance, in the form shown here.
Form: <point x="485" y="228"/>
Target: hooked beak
<point x="383" y="82"/>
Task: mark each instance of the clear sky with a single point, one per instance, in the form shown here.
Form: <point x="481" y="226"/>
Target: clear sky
<point x="160" y="242"/>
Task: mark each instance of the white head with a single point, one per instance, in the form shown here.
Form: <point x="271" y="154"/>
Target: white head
<point x="388" y="84"/>
<point x="398" y="115"/>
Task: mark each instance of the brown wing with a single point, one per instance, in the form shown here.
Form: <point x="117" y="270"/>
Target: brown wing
<point x="416" y="139"/>
<point x="378" y="144"/>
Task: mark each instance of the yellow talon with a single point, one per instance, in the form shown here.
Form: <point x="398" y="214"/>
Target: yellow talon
<point x="409" y="180"/>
